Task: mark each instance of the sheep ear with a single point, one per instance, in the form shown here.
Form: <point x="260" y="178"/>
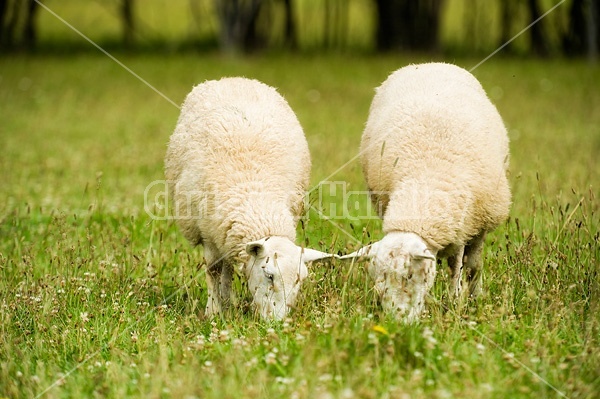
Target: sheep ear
<point x="310" y="255"/>
<point x="255" y="248"/>
<point x="365" y="252"/>
<point x="423" y="254"/>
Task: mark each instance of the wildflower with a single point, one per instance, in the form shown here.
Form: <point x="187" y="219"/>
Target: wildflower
<point x="284" y="380"/>
<point x="251" y="363"/>
<point x="200" y="342"/>
<point x="372" y="338"/>
<point x="480" y="348"/>
<point x="271" y="358"/>
<point x="417" y="375"/>
<point x="486" y="387"/>
<point x="430" y="340"/>
<point x="563" y="366"/>
<point x="60" y="381"/>
<point x="224" y="336"/>
<point x="380" y="329"/>
<point x="455" y="367"/>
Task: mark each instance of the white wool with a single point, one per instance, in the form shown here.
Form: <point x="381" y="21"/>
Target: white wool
<point x="443" y="167"/>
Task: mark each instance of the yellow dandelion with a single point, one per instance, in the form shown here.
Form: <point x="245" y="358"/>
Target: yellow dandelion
<point x="380" y="329"/>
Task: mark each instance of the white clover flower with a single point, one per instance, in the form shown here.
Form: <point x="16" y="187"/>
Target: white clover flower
<point x="480" y="348"/>
<point x="271" y="358"/>
<point x="224" y="335"/>
<point x="284" y="380"/>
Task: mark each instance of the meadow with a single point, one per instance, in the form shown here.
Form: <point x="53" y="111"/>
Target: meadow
<point x="100" y="299"/>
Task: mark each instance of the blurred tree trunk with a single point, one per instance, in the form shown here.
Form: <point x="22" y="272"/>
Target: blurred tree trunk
<point x="29" y="30"/>
<point x="507" y="9"/>
<point x="408" y="24"/>
<point x="582" y="33"/>
<point x="574" y="39"/>
<point x="128" y="22"/>
<point x="18" y="24"/>
<point x="592" y="30"/>
<point x="3" y="24"/>
<point x="290" y="25"/>
<point x="237" y="24"/>
<point x="335" y="23"/>
<point x="387" y="19"/>
<point x="539" y="44"/>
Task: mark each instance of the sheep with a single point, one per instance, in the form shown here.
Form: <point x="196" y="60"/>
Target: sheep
<point x="434" y="153"/>
<point x="237" y="167"/>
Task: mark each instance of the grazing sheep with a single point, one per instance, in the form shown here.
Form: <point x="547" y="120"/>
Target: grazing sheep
<point x="238" y="166"/>
<point x="435" y="155"/>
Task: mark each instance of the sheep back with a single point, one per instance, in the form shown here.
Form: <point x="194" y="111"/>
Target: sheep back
<point x="435" y="155"/>
<point x="237" y="164"/>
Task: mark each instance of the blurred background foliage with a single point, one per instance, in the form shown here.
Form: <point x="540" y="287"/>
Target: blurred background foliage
<point x="246" y="26"/>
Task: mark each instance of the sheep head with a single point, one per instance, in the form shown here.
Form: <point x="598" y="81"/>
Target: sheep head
<point x="403" y="268"/>
<point x="275" y="271"/>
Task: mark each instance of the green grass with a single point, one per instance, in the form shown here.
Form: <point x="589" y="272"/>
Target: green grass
<point x="101" y="300"/>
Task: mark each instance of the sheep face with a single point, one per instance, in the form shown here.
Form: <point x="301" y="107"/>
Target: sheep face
<point x="403" y="269"/>
<point x="275" y="272"/>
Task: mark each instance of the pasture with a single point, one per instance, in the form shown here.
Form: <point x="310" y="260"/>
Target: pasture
<point x="100" y="299"/>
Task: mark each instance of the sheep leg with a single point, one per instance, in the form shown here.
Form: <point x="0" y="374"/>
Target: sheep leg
<point x="225" y="287"/>
<point x="474" y="264"/>
<point x="213" y="283"/>
<point x="214" y="269"/>
<point x="455" y="262"/>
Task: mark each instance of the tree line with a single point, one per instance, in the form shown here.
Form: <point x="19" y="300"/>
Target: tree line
<point x="399" y="25"/>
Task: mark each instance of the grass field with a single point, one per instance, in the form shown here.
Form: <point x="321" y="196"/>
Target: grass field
<point x="98" y="299"/>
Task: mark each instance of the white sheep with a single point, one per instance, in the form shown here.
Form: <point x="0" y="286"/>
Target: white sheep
<point x="435" y="156"/>
<point x="238" y="167"/>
